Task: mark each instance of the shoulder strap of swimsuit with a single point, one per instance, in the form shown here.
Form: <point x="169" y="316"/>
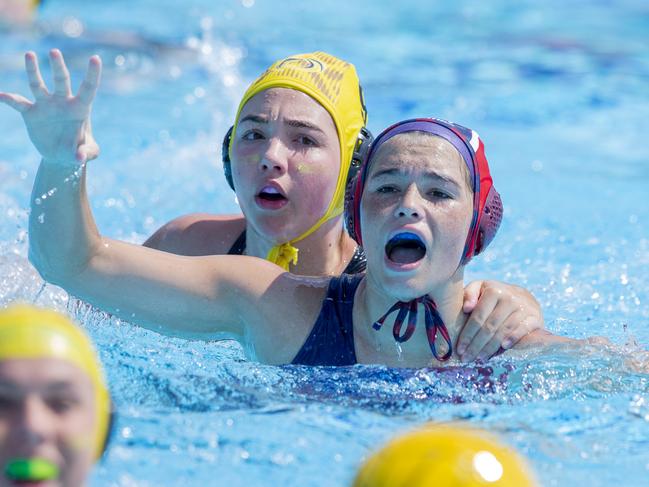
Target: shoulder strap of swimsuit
<point x="346" y="292"/>
<point x="239" y="245"/>
<point x="357" y="263"/>
<point x="331" y="341"/>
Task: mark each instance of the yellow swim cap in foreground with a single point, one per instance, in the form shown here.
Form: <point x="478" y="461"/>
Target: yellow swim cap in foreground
<point x="27" y="332"/>
<point x="334" y="84"/>
<point x="445" y="456"/>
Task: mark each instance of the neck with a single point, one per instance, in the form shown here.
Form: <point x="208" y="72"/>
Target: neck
<point x="326" y="252"/>
<point x="379" y="346"/>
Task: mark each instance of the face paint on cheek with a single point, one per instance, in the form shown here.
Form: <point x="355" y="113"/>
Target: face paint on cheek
<point x="305" y="169"/>
<point x="252" y="159"/>
<point x="83" y="442"/>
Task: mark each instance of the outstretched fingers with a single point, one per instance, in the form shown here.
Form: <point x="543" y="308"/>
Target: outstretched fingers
<point x="88" y="88"/>
<point x="60" y="74"/>
<point x="36" y="83"/>
<point x="17" y="102"/>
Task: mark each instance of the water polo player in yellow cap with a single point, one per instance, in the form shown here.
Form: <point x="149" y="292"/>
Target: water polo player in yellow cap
<point x="289" y="156"/>
<point x="54" y="403"/>
<point x="294" y="126"/>
<point x="445" y="456"/>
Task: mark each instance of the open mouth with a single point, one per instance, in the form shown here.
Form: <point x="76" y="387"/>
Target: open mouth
<point x="271" y="198"/>
<point x="405" y="248"/>
<point x="269" y="193"/>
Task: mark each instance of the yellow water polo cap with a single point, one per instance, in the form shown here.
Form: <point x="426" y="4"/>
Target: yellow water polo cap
<point x="445" y="456"/>
<point x="27" y="332"/>
<point x="334" y="84"/>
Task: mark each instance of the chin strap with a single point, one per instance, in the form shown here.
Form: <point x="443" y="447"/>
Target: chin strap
<point x="283" y="255"/>
<point x="434" y="324"/>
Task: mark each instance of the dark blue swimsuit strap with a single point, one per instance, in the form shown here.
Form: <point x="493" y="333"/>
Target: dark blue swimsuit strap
<point x="239" y="245"/>
<point x="357" y="263"/>
<point x="331" y="341"/>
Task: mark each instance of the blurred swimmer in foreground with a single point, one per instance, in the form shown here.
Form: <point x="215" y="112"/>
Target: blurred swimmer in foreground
<point x="445" y="456"/>
<point x="422" y="205"/>
<point x="54" y="403"/>
<point x="295" y="125"/>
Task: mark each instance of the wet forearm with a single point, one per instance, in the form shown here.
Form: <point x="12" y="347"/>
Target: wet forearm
<point x="62" y="230"/>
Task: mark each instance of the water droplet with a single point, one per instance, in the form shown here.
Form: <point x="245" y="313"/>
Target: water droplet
<point x="72" y="27"/>
<point x="399" y="352"/>
<point x="175" y="72"/>
<point x="229" y="80"/>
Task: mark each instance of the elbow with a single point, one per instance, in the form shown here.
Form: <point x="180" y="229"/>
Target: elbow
<point x="48" y="272"/>
<point x="56" y="270"/>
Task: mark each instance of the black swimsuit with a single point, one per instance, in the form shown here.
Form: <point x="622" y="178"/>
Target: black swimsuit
<point x="331" y="340"/>
<point x="356" y="265"/>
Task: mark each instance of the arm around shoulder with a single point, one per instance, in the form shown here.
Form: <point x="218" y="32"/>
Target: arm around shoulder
<point x="544" y="338"/>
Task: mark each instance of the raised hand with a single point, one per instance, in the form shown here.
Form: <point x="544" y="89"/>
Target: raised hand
<point x="58" y="123"/>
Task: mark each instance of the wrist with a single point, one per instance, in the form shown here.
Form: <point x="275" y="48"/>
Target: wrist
<point x="67" y="162"/>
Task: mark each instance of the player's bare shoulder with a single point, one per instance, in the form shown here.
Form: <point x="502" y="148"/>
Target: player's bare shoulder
<point x="198" y="234"/>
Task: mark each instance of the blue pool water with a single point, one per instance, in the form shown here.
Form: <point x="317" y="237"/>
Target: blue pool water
<point x="558" y="91"/>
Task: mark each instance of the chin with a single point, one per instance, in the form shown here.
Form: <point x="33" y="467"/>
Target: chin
<point x="406" y="287"/>
<point x="274" y="229"/>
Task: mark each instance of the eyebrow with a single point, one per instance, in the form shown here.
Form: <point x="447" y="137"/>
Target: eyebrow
<point x="254" y="118"/>
<point x="290" y="122"/>
<point x="398" y="172"/>
<point x="57" y="386"/>
<point x="303" y="124"/>
<point x="7" y="385"/>
<point x="60" y="386"/>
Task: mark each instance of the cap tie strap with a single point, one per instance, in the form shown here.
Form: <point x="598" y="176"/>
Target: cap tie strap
<point x="433" y="321"/>
<point x="283" y="255"/>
